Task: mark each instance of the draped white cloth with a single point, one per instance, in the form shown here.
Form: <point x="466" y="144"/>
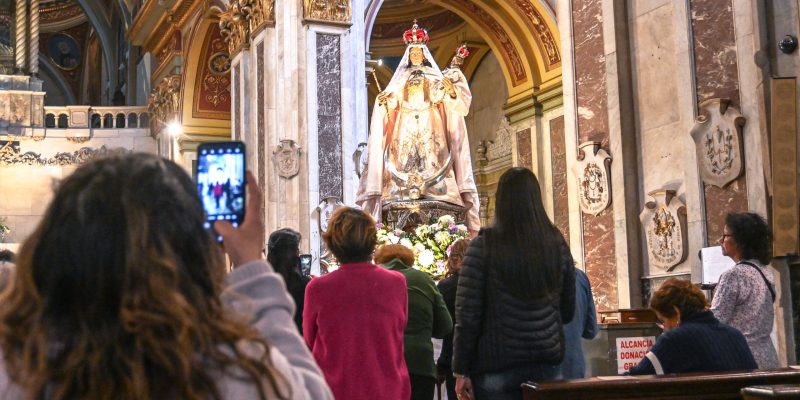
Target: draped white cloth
<point x="420" y="132"/>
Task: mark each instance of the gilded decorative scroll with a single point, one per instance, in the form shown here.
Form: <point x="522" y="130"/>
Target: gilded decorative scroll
<point x="164" y="101"/>
<point x="327" y="11"/>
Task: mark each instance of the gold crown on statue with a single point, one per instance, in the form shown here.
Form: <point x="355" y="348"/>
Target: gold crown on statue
<point x="416" y="35"/>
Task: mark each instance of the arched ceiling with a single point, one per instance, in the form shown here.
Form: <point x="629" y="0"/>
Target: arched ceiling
<point x="523" y="33"/>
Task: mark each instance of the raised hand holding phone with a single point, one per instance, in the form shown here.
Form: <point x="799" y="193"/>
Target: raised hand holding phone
<point x="244" y="244"/>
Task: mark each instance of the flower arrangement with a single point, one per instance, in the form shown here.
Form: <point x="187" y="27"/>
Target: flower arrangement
<point x="430" y="243"/>
<point x="4" y="229"/>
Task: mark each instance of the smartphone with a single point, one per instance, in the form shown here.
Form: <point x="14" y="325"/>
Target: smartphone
<point x="305" y="264"/>
<point x="221" y="182"/>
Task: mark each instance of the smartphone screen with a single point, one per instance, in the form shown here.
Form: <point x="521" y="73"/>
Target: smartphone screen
<point x="221" y="182"/>
<point x="305" y="264"/>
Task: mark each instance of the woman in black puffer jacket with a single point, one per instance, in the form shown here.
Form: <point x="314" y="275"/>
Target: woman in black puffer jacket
<point x="516" y="287"/>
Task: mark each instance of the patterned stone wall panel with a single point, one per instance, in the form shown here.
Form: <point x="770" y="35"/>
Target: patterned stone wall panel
<point x="237" y="103"/>
<point x="590" y="73"/>
<point x="261" y="129"/>
<point x="713" y="36"/>
<point x="558" y="154"/>
<point x="716" y="73"/>
<point x="329" y="115"/>
<point x="524" y="152"/>
<point x="590" y="83"/>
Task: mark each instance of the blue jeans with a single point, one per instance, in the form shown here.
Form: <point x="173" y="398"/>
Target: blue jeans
<point x="505" y="385"/>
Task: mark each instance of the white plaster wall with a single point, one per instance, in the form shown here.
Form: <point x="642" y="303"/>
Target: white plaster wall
<point x="26" y="190"/>
<point x="489" y="93"/>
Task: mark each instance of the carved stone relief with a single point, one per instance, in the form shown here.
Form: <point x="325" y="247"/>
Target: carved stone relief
<point x="594" y="178"/>
<point x="664" y="223"/>
<point x="10" y="155"/>
<point x="330" y="11"/>
<point x="717" y="135"/>
<point x="287" y="158"/>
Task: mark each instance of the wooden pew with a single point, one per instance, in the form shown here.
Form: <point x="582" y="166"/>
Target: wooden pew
<point x="675" y="386"/>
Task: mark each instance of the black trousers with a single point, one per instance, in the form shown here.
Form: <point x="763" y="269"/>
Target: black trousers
<point x="422" y="387"/>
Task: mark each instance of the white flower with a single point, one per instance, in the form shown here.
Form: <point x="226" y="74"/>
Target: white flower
<point x="422" y="230"/>
<point x="426" y="258"/>
<point x="420" y="247"/>
<point x="446" y="220"/>
<point x="393" y="239"/>
<point x="407" y="243"/>
<point x="441" y="237"/>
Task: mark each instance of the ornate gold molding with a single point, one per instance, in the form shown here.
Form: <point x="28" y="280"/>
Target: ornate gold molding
<point x="327" y="11"/>
<point x="242" y="19"/>
<point x="164" y="102"/>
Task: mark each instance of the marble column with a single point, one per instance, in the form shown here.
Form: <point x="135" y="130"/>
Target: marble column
<point x="335" y="90"/>
<point x="591" y="106"/>
<point x="33" y="48"/>
<point x="21" y="37"/>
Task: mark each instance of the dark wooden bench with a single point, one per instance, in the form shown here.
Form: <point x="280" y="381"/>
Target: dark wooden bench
<point x="676" y="386"/>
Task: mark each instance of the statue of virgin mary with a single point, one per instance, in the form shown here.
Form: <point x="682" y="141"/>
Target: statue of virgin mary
<point x="418" y="146"/>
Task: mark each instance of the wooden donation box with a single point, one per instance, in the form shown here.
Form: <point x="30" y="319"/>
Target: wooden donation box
<point x="623" y="339"/>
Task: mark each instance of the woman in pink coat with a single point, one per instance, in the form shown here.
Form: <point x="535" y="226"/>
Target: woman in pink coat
<point x="354" y="317"/>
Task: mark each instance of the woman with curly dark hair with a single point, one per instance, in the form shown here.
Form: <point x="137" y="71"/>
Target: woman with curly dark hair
<point x="693" y="340"/>
<point x="120" y="293"/>
<point x="745" y="294"/>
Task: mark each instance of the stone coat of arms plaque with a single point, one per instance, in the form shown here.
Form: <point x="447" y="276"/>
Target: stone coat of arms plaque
<point x="287" y="158"/>
<point x="594" y="178"/>
<point x="664" y="223"/>
<point x="717" y="135"/>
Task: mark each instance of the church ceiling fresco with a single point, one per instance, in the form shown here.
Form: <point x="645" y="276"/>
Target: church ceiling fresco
<point x="55" y="14"/>
<point x="393" y="30"/>
<point x="65" y="50"/>
<point x="522" y="33"/>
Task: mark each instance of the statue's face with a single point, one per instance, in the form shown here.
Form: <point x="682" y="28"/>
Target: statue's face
<point x="415" y="56"/>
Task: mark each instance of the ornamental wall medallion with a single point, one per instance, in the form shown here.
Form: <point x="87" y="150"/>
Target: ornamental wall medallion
<point x="664" y="223"/>
<point x="594" y="178"/>
<point x="287" y="158"/>
<point x="717" y="135"/>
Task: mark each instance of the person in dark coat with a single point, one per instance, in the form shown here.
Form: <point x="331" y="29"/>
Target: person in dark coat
<point x="283" y="252"/>
<point x="447" y="287"/>
<point x="582" y="326"/>
<point x="427" y="318"/>
<point x="515" y="290"/>
<point x="693" y="339"/>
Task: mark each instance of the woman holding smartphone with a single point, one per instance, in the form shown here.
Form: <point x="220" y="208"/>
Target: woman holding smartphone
<point x="120" y="293"/>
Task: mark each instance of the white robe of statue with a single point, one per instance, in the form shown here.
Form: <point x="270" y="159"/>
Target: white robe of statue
<point x="419" y="132"/>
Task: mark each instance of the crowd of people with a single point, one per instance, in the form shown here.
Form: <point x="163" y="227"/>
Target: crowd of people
<point x="121" y="293"/>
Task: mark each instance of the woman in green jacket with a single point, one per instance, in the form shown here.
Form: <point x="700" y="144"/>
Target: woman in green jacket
<point x="427" y="318"/>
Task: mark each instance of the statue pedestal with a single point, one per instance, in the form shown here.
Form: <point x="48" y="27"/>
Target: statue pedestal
<point x="410" y="213"/>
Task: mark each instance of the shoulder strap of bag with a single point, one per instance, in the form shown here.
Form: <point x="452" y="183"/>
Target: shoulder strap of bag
<point x="769" y="285"/>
